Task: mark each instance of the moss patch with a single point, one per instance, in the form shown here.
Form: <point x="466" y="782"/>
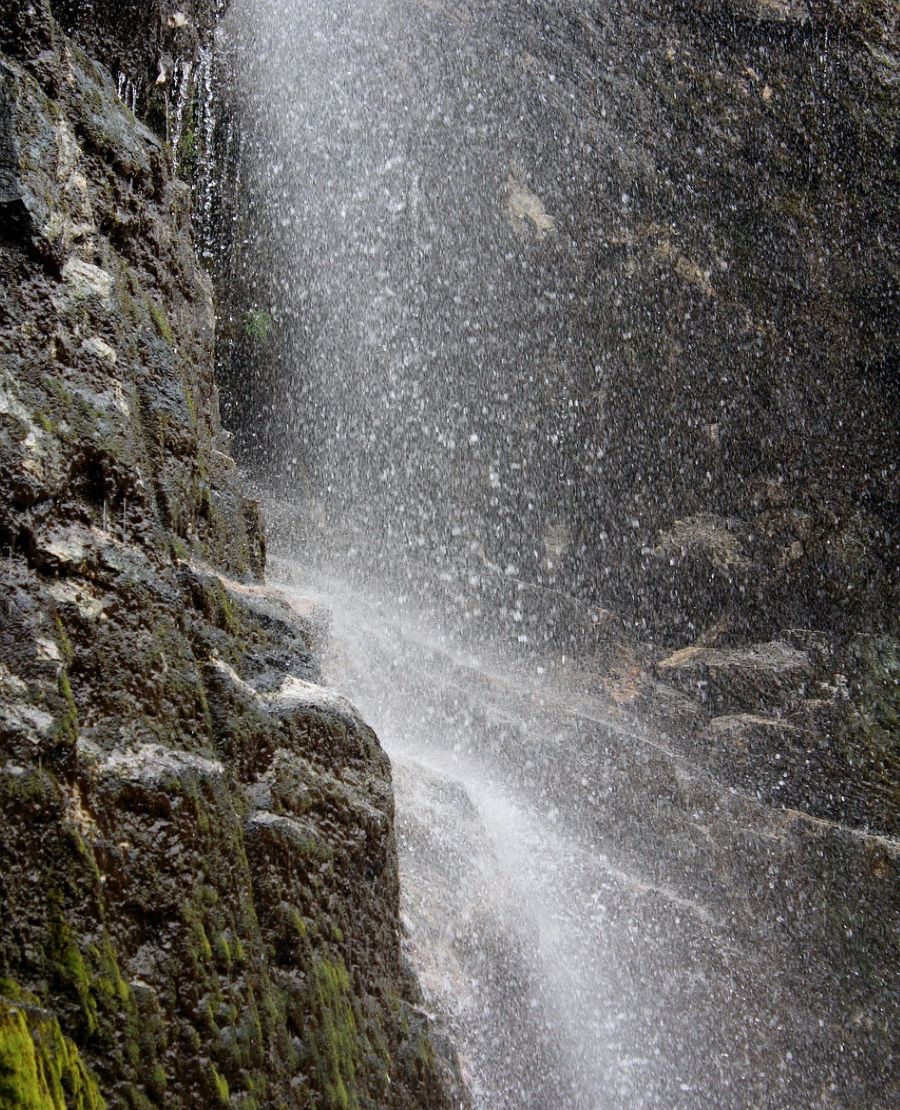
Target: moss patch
<point x="66" y="730"/>
<point x="337" y="1041"/>
<point x="258" y="325"/>
<point x="40" y="1069"/>
<point x="70" y="969"/>
<point x="161" y="321"/>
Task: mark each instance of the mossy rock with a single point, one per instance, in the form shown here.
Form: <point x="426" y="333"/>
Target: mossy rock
<point x="336" y="1038"/>
<point x="40" y="1068"/>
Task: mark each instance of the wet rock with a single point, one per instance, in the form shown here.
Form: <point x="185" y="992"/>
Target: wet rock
<point x="757" y="754"/>
<point x="699" y="574"/>
<point x="525" y="210"/>
<point x="861" y="717"/>
<point x="198" y="885"/>
<point x="41" y="194"/>
<point x="763" y="11"/>
<point x="787" y="763"/>
<point x="761" y="677"/>
<point x="675" y="713"/>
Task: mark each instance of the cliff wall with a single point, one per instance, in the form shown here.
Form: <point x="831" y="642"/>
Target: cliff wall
<point x="691" y="354"/>
<point x="198" y="878"/>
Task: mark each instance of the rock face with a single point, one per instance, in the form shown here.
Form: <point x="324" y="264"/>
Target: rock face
<point x="695" y="356"/>
<point x="792" y="722"/>
<point x="198" y="879"/>
<point x="668" y="280"/>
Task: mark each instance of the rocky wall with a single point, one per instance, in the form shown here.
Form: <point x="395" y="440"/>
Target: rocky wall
<point x="198" y="878"/>
<point x="743" y="453"/>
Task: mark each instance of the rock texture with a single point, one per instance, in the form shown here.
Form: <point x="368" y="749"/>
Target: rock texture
<point x="198" y="879"/>
<point x="743" y="297"/>
<point x="695" y="359"/>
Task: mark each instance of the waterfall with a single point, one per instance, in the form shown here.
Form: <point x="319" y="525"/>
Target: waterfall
<point x="413" y="277"/>
<point x="599" y="920"/>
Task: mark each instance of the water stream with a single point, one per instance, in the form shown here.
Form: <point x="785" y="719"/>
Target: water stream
<point x="599" y="922"/>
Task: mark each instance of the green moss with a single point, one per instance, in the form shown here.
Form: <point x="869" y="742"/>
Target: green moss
<point x="85" y="860"/>
<point x="209" y="1018"/>
<point x="201" y="816"/>
<point x="223" y="951"/>
<point x="137" y="1100"/>
<point x="157" y="1080"/>
<point x="423" y="1050"/>
<point x="161" y="321"/>
<point x="258" y="325"/>
<point x="300" y="926"/>
<point x="66" y="729"/>
<point x="187" y="154"/>
<point x="179" y="548"/>
<point x="220" y="1084"/>
<point x="108" y="985"/>
<point x="250" y="1032"/>
<point x="35" y="788"/>
<point x="20" y="1082"/>
<point x="129" y="1040"/>
<point x="220" y="609"/>
<point x="40" y="1069"/>
<point x="130" y="306"/>
<point x="65" y="644"/>
<point x="69" y="967"/>
<point x="198" y="941"/>
<point x="336" y="1039"/>
<point x="207" y="895"/>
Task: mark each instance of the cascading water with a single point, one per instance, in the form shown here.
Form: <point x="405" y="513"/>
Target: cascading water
<point x="600" y="922"/>
<point x="414" y="273"/>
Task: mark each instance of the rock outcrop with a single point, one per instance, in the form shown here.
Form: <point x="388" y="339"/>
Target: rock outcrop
<point x="198" y="878"/>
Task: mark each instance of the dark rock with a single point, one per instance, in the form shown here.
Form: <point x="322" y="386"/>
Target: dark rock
<point x="700" y="576"/>
<point x="759" y="755"/>
<point x="198" y="879"/>
<point x="762" y="677"/>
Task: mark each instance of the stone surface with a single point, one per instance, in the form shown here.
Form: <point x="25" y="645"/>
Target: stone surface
<point x="807" y="721"/>
<point x="709" y="333"/>
<point x="198" y="878"/>
<point x="758" y="677"/>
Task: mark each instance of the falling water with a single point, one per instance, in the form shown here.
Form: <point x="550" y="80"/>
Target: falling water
<point x="601" y="923"/>
<point x="127" y="91"/>
<point x="414" y="277"/>
<point x="598" y="921"/>
<point x="182" y="91"/>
